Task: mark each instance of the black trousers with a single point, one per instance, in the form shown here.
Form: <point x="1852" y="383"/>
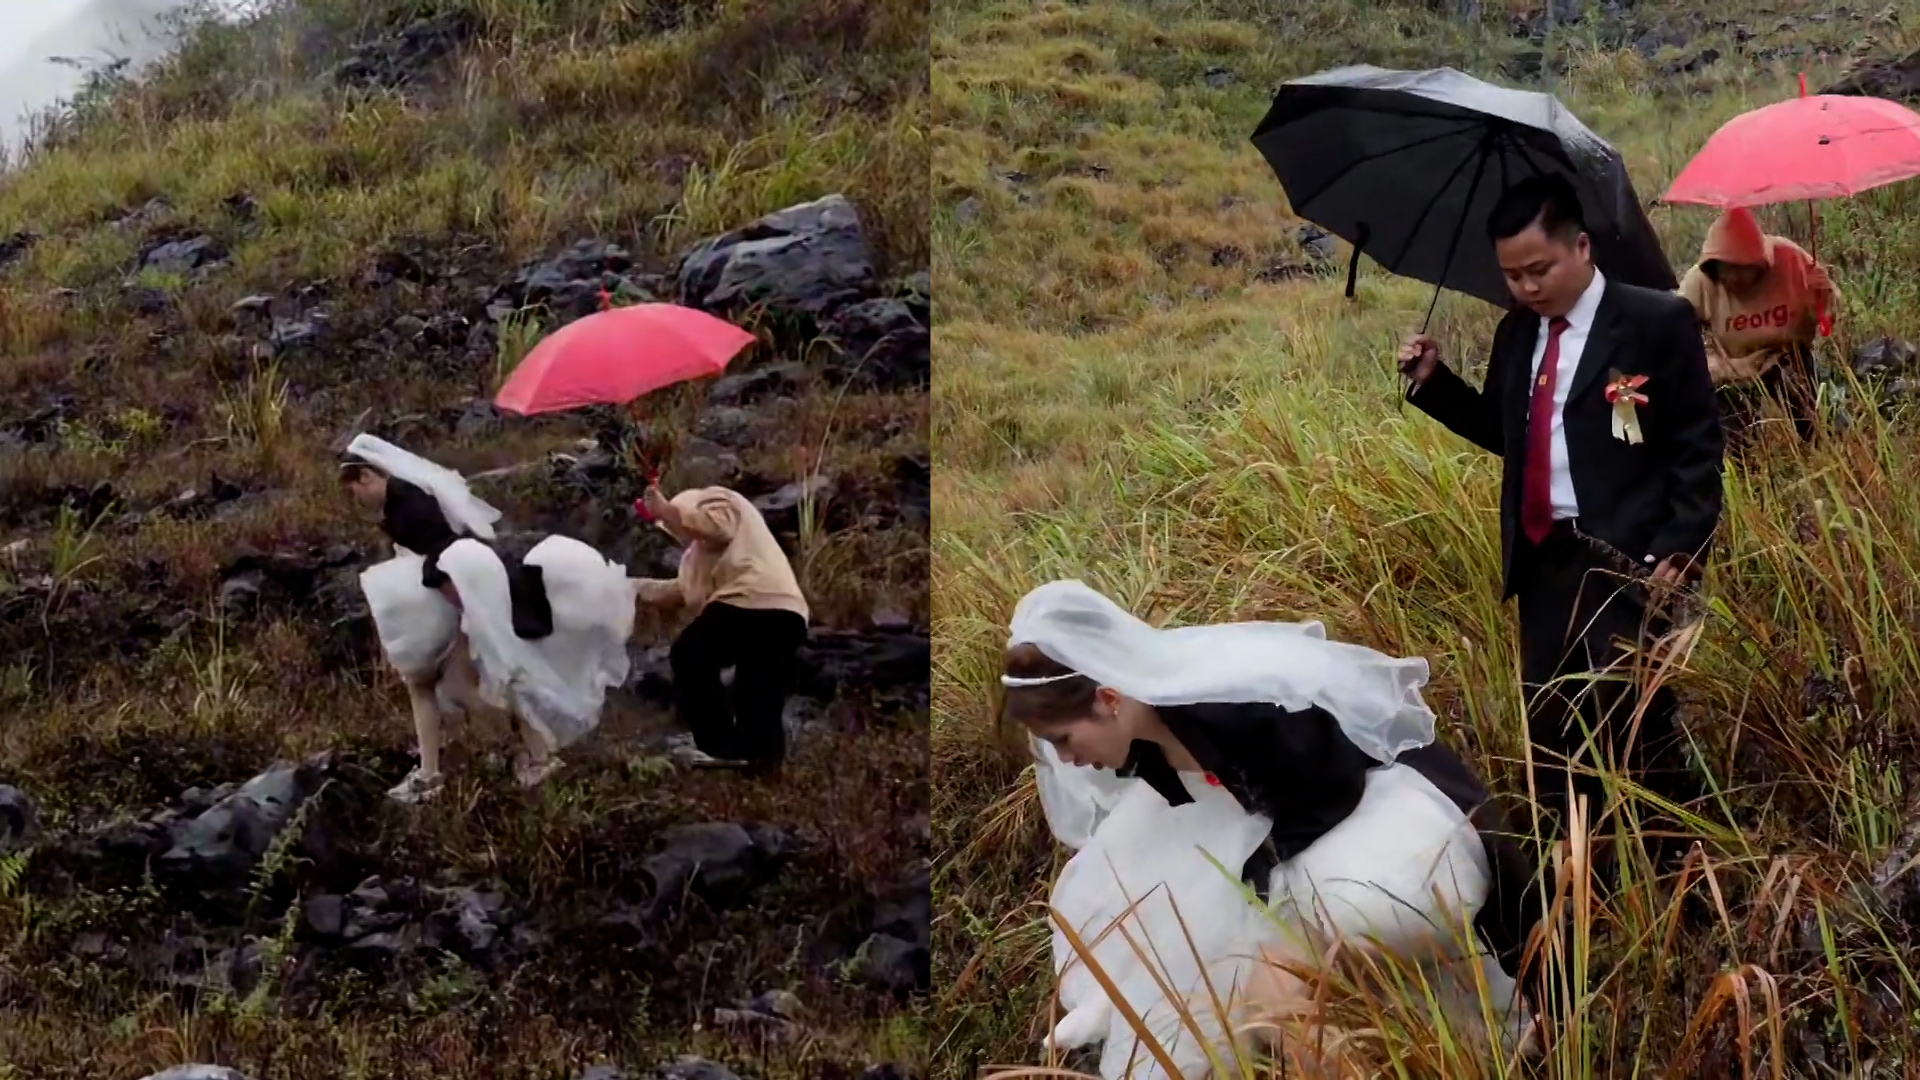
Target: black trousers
<point x="761" y="647"/>
<point x="1788" y="383"/>
<point x="1579" y="617"/>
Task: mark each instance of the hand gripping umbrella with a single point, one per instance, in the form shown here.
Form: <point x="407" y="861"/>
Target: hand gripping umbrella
<point x="1407" y="165"/>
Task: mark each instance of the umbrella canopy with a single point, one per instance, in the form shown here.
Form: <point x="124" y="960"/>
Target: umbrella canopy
<point x="1805" y="148"/>
<point x="1407" y="165"/>
<point x="615" y="356"/>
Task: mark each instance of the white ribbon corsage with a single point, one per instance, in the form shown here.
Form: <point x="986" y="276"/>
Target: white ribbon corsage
<point x="1623" y="393"/>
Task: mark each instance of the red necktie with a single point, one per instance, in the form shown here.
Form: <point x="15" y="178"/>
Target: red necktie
<point x="1536" y="482"/>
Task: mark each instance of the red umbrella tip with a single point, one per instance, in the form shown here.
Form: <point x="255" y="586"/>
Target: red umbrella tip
<point x="640" y="509"/>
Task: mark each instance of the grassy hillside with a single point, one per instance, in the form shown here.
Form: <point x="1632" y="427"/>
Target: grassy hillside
<point x="1148" y="379"/>
<point x="345" y="215"/>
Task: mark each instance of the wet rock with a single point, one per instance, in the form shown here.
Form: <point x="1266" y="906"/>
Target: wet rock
<point x="806" y="260"/>
<point x="327" y="915"/>
<point x="479" y="420"/>
<point x="571" y="285"/>
<point x="890" y="669"/>
<point x="887" y="963"/>
<point x="1320" y="245"/>
<point x="43" y="425"/>
<point x="1219" y="78"/>
<point x="747" y="388"/>
<point x="16" y="245"/>
<point x="404" y="57"/>
<point x="198" y="1072"/>
<point x="719" y="861"/>
<point x="700" y="463"/>
<point x="880" y="344"/>
<point x="289" y="334"/>
<point x="221" y="845"/>
<point x="726" y="425"/>
<point x="1897" y="78"/>
<point x="782" y="507"/>
<point x="182" y="256"/>
<point x="1883" y="358"/>
<point x="468" y="916"/>
<point x="19" y="820"/>
<point x="693" y="1068"/>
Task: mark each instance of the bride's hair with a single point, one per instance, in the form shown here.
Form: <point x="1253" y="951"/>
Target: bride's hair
<point x="1069" y="697"/>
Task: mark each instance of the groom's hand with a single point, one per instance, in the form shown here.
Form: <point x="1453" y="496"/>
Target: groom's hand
<point x="1419" y="358"/>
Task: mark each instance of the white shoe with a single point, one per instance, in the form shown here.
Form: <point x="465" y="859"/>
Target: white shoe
<point x="418" y="787"/>
<point x="683" y="752"/>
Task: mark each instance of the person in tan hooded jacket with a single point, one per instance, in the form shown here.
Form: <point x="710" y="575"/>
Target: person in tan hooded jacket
<point x="748" y="614"/>
<point x="1759" y="299"/>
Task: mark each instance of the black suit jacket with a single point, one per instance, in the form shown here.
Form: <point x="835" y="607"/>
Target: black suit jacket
<point x="1302" y="772"/>
<point x="1659" y="498"/>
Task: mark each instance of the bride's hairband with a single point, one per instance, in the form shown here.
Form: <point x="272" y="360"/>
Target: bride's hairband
<point x="1014" y="681"/>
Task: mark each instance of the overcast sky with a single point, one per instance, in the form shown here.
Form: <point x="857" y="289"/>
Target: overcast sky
<point x="31" y="31"/>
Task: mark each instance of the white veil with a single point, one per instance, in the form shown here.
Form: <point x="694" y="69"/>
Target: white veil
<point x="465" y="511"/>
<point x="1374" y="697"/>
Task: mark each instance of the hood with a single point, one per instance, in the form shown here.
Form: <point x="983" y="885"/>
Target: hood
<point x="1736" y="238"/>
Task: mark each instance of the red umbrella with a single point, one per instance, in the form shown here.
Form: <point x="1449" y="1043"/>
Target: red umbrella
<point x="614" y="356"/>
<point x="1821" y="147"/>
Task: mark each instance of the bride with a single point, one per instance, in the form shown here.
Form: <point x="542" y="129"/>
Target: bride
<point x="1305" y="768"/>
<point x="541" y="639"/>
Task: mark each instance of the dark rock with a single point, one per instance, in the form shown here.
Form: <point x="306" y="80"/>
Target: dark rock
<point x="405" y="57"/>
<point x="181" y="256"/>
<point x="297" y="333"/>
<point x="1692" y="64"/>
<point x="470" y="915"/>
<point x="327" y="915"/>
<point x="693" y="1068"/>
<point x="16" y="245"/>
<point x="603" y="1072"/>
<point x="256" y="304"/>
<point x="148" y="300"/>
<point x="893" y="669"/>
<point x="894" y="1071"/>
<point x="807" y="260"/>
<point x="746" y="388"/>
<point x="1897" y="79"/>
<point x="881" y="345"/>
<point x="1319" y="245"/>
<point x="571" y="285"/>
<point x="221" y="845"/>
<point x="1883" y="358"/>
<point x="19" y="820"/>
<point x="243" y="206"/>
<point x="887" y="963"/>
<point x="782" y="508"/>
<point x="726" y="425"/>
<point x="478" y="420"/>
<point x="1218" y="77"/>
<point x="720" y="861"/>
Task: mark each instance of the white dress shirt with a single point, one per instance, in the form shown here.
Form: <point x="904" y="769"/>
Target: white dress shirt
<point x="1573" y="342"/>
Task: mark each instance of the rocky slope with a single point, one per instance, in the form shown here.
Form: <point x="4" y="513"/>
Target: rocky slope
<point x="348" y="217"/>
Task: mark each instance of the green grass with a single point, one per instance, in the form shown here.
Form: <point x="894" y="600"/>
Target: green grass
<point x="651" y="123"/>
<point x="1115" y="402"/>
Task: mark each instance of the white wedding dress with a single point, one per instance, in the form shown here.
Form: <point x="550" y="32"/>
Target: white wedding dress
<point x="1404" y="873"/>
<point x="557" y="684"/>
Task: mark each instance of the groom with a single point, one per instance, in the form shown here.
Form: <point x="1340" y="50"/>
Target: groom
<point x="1570" y="478"/>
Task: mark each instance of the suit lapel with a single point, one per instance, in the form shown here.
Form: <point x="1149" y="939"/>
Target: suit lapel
<point x="1597" y="355"/>
<point x="1519" y="389"/>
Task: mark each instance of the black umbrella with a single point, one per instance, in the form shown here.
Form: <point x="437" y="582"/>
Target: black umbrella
<point x="1406" y="166"/>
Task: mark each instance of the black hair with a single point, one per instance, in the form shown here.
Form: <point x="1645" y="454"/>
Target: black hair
<point x="1548" y="200"/>
<point x="351" y="468"/>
